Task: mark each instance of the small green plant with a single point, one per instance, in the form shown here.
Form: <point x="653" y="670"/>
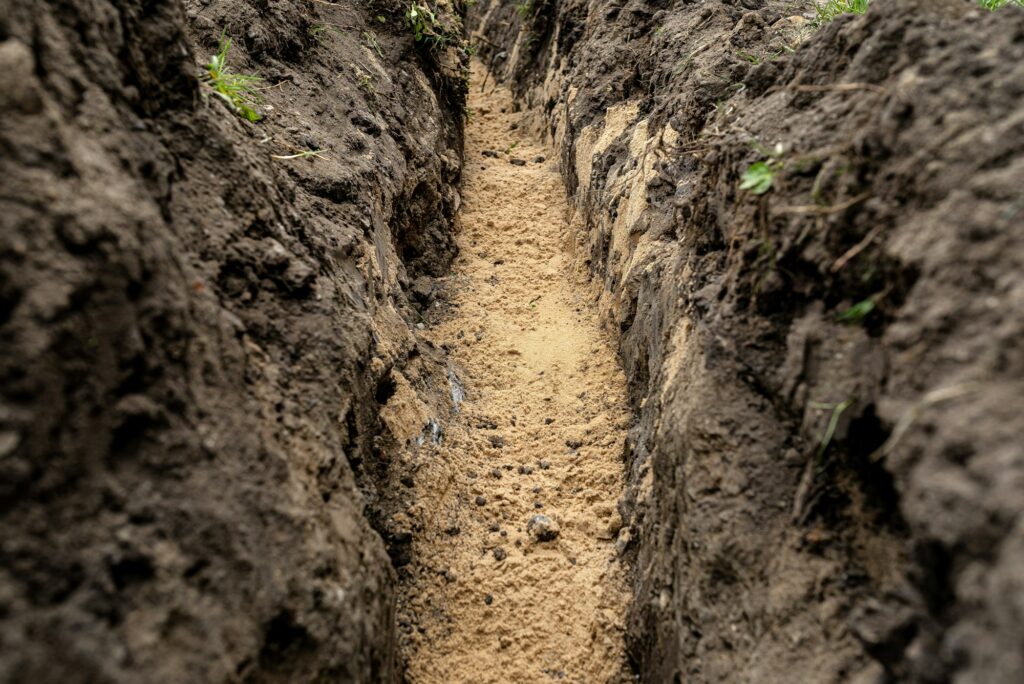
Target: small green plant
<point x="371" y="40"/>
<point x="528" y="10"/>
<point x="759" y="177"/>
<point x="833" y="422"/>
<point x="365" y="82"/>
<point x="830" y="9"/>
<point x="993" y="5"/>
<point x="763" y="56"/>
<point x="749" y="57"/>
<point x="858" y="312"/>
<point x="237" y="90"/>
<point x="321" y="31"/>
<point x="426" y="28"/>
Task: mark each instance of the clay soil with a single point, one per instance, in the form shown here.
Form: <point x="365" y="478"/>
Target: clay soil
<point x="540" y="433"/>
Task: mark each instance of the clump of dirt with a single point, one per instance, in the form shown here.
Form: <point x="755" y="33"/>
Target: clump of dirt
<point x="190" y="442"/>
<point x="515" y="572"/>
<point x="825" y="475"/>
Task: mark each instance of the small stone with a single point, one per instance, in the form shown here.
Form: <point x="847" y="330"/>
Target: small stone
<point x="549" y="421"/>
<point x="539" y="159"/>
<point x="499" y="553"/>
<point x="453" y="531"/>
<point x="275" y="255"/>
<point x="489" y="153"/>
<point x="525" y="469"/>
<point x="573" y="443"/>
<point x="488" y="599"/>
<point x="542" y="528"/>
<point x="497" y="441"/>
<point x="423" y="289"/>
<point x="481" y="501"/>
<point x="538" y="504"/>
<point x="496" y="473"/>
<point x="623" y="540"/>
<point x="9" y="441"/>
<point x="298" y="276"/>
<point x="517" y="162"/>
<point x="544" y="465"/>
<point x="495" y="527"/>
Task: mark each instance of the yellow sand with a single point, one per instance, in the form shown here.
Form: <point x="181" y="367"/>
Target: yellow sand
<point x="527" y="344"/>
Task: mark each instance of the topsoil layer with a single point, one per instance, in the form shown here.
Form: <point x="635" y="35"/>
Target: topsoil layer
<point x="190" y="445"/>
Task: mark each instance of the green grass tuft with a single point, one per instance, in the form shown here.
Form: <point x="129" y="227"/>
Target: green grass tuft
<point x="993" y="5"/>
<point x="237" y="90"/>
<point x="830" y="9"/>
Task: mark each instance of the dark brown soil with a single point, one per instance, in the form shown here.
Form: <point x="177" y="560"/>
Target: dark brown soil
<point x="813" y="499"/>
<point x="196" y="336"/>
<point x="211" y="359"/>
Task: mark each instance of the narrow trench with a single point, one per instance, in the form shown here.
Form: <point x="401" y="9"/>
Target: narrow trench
<point x="515" y="576"/>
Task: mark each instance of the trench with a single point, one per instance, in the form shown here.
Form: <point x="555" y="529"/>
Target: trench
<point x="256" y="427"/>
<point x="515" y="574"/>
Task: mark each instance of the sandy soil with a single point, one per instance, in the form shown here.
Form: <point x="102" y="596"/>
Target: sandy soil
<point x="541" y="432"/>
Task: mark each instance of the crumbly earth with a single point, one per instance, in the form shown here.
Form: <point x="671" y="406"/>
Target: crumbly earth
<point x="826" y="474"/>
<point x="541" y="432"/>
<point x="189" y="428"/>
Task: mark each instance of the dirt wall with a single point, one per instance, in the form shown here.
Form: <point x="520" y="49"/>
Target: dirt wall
<point x="827" y="476"/>
<point x="200" y="317"/>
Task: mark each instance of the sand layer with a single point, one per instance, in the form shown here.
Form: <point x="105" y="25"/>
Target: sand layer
<point x="541" y="432"/>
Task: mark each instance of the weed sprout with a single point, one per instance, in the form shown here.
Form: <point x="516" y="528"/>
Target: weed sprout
<point x="237" y="90"/>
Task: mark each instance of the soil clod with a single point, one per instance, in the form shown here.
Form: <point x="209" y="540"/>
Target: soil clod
<point x="542" y="528"/>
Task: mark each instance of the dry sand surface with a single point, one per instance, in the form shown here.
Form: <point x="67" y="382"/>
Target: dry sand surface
<point x="540" y="433"/>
